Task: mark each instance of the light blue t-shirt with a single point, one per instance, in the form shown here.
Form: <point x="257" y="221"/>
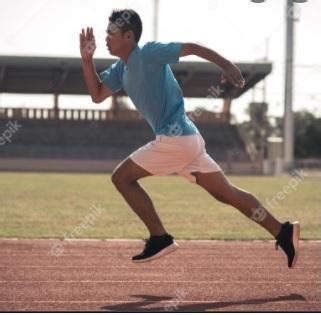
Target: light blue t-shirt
<point x="149" y="82"/>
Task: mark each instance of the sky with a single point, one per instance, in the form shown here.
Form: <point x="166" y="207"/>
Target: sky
<point x="240" y="30"/>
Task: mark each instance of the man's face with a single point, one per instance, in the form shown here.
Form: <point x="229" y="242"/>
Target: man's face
<point x="115" y="40"/>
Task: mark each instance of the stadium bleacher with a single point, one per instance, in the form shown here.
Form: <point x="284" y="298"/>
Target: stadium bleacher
<point x="107" y="140"/>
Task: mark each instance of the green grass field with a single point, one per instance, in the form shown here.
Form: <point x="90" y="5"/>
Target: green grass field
<point x="50" y="205"/>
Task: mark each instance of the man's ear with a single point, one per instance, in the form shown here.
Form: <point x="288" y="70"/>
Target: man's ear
<point x="129" y="35"/>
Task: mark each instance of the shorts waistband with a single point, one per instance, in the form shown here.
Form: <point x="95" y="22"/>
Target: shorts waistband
<point x="175" y="139"/>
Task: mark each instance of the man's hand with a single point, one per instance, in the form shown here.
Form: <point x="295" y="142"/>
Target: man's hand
<point x="233" y="74"/>
<point x="98" y="91"/>
<point x="87" y="43"/>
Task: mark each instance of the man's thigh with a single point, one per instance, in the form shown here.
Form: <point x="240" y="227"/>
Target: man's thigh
<point x="128" y="170"/>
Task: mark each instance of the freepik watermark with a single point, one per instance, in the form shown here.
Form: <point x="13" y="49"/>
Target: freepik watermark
<point x="297" y="177"/>
<point x="292" y="12"/>
<point x="90" y="220"/>
<point x="11" y="129"/>
<point x="175" y="129"/>
<point x="213" y="92"/>
<point x="213" y="4"/>
<point x="259" y="214"/>
<point x="121" y="21"/>
<point x="113" y="27"/>
<point x="173" y="305"/>
<point x="57" y="248"/>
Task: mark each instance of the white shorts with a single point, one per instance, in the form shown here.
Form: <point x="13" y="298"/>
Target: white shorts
<point x="182" y="155"/>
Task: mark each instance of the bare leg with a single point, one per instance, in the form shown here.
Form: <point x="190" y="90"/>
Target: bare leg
<point x="125" y="178"/>
<point x="219" y="187"/>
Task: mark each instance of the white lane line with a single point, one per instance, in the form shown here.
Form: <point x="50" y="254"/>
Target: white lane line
<point x="47" y="254"/>
<point x="144" y="268"/>
<point x="104" y="241"/>
<point x="153" y="302"/>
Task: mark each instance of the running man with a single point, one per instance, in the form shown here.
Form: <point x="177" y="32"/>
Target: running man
<point x="144" y="73"/>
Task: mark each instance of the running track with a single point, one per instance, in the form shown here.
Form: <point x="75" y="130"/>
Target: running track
<point x="200" y="276"/>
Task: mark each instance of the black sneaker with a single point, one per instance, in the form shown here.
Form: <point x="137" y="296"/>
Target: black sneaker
<point x="156" y="247"/>
<point x="288" y="239"/>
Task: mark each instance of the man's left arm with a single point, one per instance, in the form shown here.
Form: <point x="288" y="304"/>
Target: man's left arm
<point x="231" y="72"/>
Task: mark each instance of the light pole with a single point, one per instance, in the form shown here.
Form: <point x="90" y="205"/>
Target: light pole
<point x="156" y="12"/>
<point x="288" y="128"/>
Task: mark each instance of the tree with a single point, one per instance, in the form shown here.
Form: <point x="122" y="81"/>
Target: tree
<point x="307" y="134"/>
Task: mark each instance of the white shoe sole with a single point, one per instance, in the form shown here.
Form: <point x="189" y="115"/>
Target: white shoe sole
<point x="167" y="250"/>
<point x="295" y="240"/>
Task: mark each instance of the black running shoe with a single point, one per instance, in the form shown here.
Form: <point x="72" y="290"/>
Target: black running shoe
<point x="156" y="247"/>
<point x="288" y="240"/>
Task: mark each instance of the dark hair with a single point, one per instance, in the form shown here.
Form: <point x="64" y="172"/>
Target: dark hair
<point x="127" y="20"/>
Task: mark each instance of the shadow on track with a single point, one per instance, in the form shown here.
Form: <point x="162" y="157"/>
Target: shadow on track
<point x="173" y="305"/>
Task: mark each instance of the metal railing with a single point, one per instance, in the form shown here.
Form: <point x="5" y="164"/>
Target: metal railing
<point x="67" y="114"/>
<point x="91" y="114"/>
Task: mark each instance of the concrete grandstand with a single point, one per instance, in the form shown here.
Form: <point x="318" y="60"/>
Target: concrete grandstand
<point x="96" y="140"/>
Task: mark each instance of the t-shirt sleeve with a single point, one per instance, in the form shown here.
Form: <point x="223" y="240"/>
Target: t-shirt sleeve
<point x="162" y="53"/>
<point x="112" y="77"/>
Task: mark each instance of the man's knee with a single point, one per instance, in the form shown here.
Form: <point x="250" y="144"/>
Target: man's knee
<point x="123" y="175"/>
<point x="118" y="178"/>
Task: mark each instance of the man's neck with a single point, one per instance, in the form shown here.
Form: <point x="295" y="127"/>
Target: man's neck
<point x="125" y="55"/>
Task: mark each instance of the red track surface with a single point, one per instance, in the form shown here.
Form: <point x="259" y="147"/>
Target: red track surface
<point x="200" y="276"/>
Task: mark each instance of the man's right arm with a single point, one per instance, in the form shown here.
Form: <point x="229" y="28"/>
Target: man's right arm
<point x="97" y="90"/>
